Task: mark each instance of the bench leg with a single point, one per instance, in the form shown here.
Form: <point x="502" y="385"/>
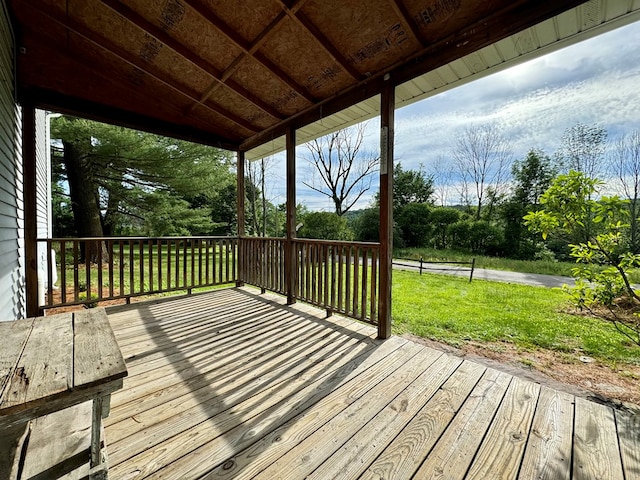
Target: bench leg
<point x="96" y="424"/>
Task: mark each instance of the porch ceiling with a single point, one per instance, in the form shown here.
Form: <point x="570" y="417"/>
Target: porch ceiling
<point x="237" y="74"/>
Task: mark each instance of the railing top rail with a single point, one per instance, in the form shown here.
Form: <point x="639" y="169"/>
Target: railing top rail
<point x="123" y="238"/>
<point x="251" y="237"/>
<point x="337" y="242"/>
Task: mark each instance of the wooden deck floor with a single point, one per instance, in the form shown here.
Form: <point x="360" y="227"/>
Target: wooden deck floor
<point x="232" y="384"/>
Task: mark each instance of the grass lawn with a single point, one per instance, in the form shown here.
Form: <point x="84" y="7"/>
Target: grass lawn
<point x="452" y="310"/>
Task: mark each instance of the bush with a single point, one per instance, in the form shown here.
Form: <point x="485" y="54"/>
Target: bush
<point x="414" y="225"/>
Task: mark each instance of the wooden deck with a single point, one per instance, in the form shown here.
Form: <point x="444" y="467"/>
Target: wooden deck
<point x="232" y="384"/>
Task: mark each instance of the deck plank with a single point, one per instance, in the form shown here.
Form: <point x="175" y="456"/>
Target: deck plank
<point x="303" y="459"/>
<point x="503" y="446"/>
<point x="596" y="454"/>
<point x="10" y="353"/>
<point x="548" y="452"/>
<point x="353" y="458"/>
<point x="452" y="455"/>
<point x="406" y="453"/>
<point x="629" y="435"/>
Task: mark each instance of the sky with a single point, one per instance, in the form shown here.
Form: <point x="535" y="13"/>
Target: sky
<point x="596" y="81"/>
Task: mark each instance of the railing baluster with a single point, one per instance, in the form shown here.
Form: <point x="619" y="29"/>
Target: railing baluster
<point x="347" y="302"/>
<point x="356" y="274"/>
<point x="160" y="256"/>
<point x="150" y="253"/>
<point x="63" y="271"/>
<point x="121" y="266"/>
<point x="363" y="285"/>
<point x="374" y="285"/>
<point x="76" y="267"/>
<point x="110" y="253"/>
<point x="87" y="266"/>
<point x="341" y="250"/>
<point x="131" y="269"/>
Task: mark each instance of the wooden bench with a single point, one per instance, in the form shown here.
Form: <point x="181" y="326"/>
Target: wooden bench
<point x="48" y="364"/>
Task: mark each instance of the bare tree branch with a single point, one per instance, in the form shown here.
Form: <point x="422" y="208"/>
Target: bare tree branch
<point x="344" y="171"/>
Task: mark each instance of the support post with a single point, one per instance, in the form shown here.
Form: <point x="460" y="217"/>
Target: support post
<point x="387" y="109"/>
<point x="30" y="210"/>
<point x="240" y="217"/>
<point x="290" y="271"/>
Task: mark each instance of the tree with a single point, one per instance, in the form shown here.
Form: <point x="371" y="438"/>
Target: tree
<point x="625" y="167"/>
<point x="409" y="186"/>
<point x="582" y="149"/>
<point x="532" y="176"/>
<point x="325" y="226"/>
<point x="441" y="218"/>
<point x="414" y="225"/>
<point x="482" y="158"/>
<point x="603" y="261"/>
<point x="116" y="176"/>
<point x="341" y="170"/>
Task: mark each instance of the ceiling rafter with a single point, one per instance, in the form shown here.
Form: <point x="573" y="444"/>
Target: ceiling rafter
<point x="163" y="37"/>
<point x="77" y="28"/>
<point x="249" y="50"/>
<point x="303" y="21"/>
<point x="405" y="18"/>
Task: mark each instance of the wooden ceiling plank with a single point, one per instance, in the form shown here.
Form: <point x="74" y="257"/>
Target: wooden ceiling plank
<point x="321" y="40"/>
<point x="405" y="18"/>
<point x="163" y="37"/>
<point x="250" y="50"/>
<point x="77" y="28"/>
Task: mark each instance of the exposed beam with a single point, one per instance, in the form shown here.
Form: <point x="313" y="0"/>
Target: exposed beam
<point x="502" y="23"/>
<point x="409" y="25"/>
<point x="387" y="107"/>
<point x="93" y="37"/>
<point x="61" y="103"/>
<point x="163" y="37"/>
<point x="321" y="40"/>
<point x="249" y="50"/>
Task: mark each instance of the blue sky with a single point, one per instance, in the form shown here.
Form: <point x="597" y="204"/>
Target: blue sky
<point x="594" y="82"/>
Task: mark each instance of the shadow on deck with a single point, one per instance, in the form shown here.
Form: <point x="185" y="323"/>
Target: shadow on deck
<point x="232" y="384"/>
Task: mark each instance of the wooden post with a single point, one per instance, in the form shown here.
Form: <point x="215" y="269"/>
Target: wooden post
<point x="30" y="209"/>
<point x="387" y="109"/>
<point x="290" y="271"/>
<point x="240" y="217"/>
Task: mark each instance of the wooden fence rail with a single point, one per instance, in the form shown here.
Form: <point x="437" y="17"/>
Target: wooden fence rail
<point x="93" y="269"/>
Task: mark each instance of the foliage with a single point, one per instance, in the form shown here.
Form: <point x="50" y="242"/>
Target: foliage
<point x="608" y="293"/>
<point x="127" y="172"/>
<point x="441" y="218"/>
<point x="409" y="186"/>
<point x="532" y="176"/>
<point x="324" y="226"/>
<point x="414" y="224"/>
<point x="366" y="226"/>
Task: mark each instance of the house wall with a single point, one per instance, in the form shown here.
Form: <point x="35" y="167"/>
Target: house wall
<point x="12" y="298"/>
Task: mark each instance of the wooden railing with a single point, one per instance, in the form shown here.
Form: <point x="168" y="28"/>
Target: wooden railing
<point x="340" y="277"/>
<point x="262" y="263"/>
<point x="93" y="269"/>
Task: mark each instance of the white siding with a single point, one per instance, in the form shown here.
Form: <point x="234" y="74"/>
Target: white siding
<point x="12" y="299"/>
